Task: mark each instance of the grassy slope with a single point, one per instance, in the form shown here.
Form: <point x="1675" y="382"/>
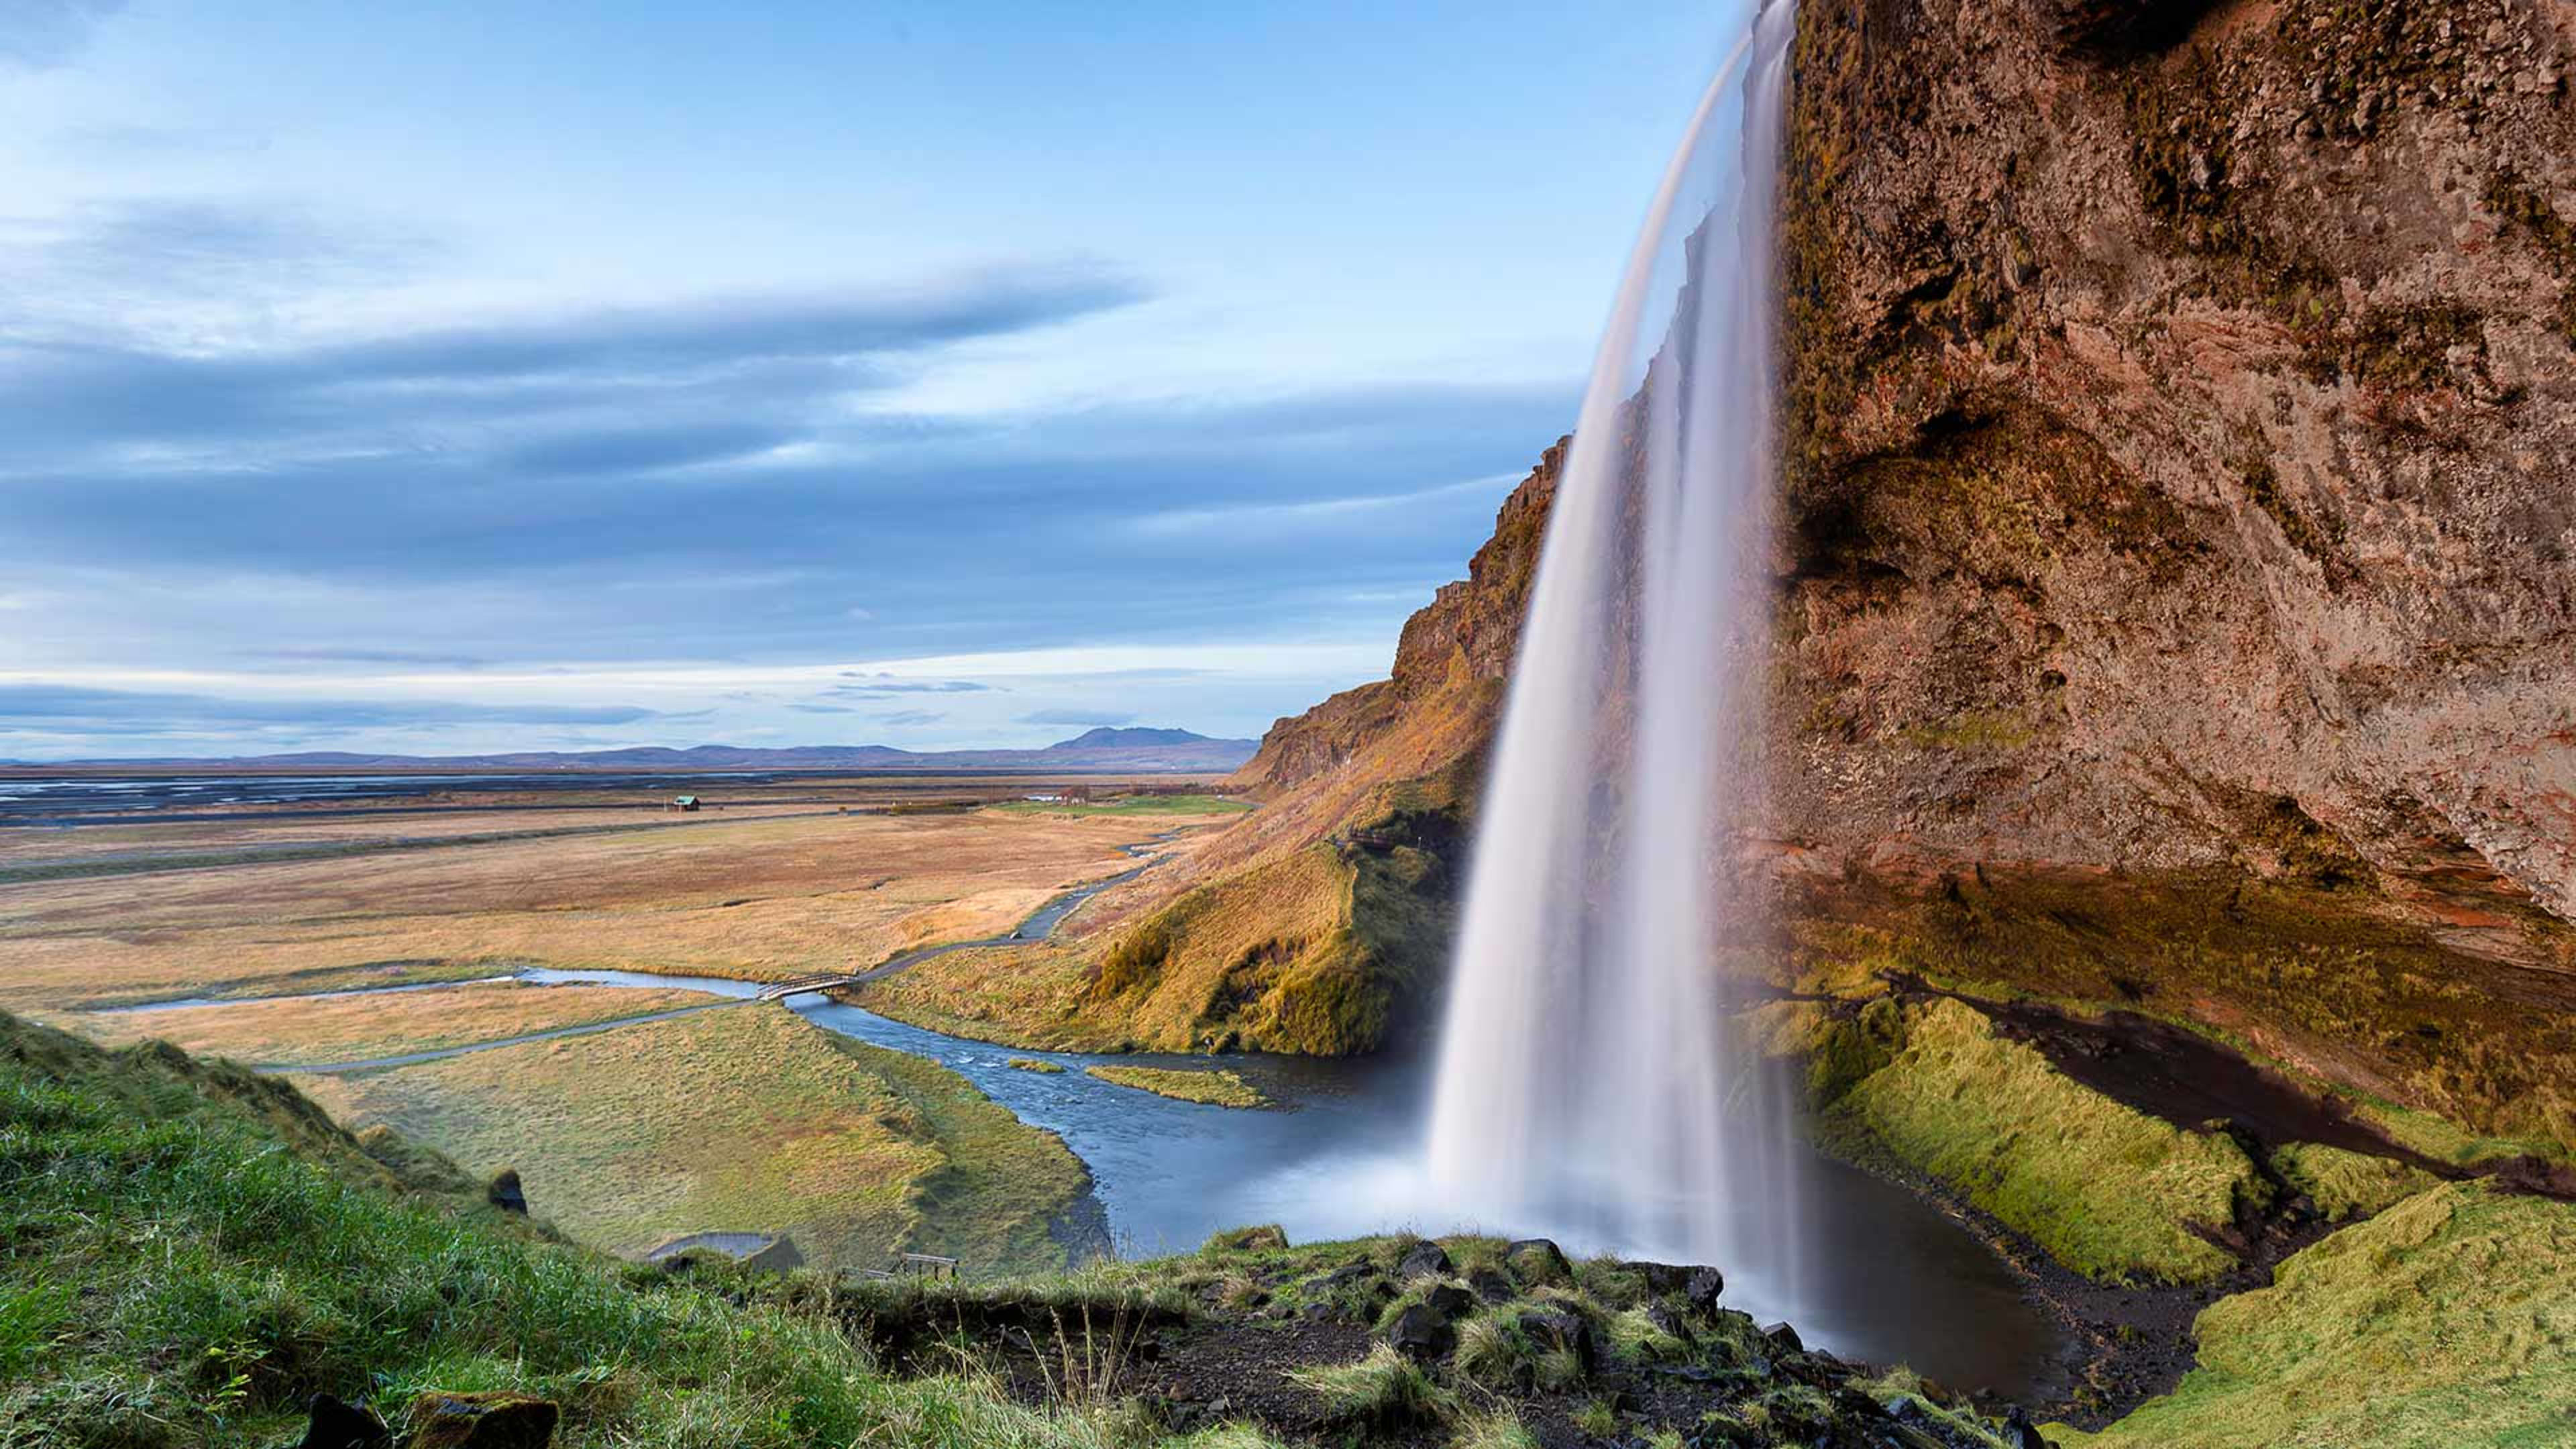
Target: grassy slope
<point x="2448" y="1321"/>
<point x="1314" y="950"/>
<point x="740" y="1120"/>
<point x="358" y="1028"/>
<point x="2105" y="1189"/>
<point x="171" y="1277"/>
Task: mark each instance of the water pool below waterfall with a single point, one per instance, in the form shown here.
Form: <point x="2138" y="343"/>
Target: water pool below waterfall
<point x="1340" y="1155"/>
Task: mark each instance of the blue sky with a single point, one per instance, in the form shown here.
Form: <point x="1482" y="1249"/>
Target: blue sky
<point x="461" y="377"/>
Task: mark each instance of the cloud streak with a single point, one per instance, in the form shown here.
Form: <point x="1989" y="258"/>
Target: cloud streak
<point x="57" y="709"/>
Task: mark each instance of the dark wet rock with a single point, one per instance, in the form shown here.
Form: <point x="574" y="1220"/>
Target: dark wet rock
<point x="481" y="1421"/>
<point x="1491" y="1286"/>
<point x="332" y="1424"/>
<point x="1425" y="1259"/>
<point x="1450" y="1300"/>
<point x="1784" y="1337"/>
<point x="1667" y="1321"/>
<point x="1858" y="1406"/>
<point x="1703" y="1288"/>
<point x="1661" y="1277"/>
<point x="1538" y="1260"/>
<point x="506" y="1194"/>
<point x="1552" y="1328"/>
<point x="1423" y="1333"/>
<point x="1317" y="1312"/>
<point x="2021" y="1433"/>
<point x="2119" y="28"/>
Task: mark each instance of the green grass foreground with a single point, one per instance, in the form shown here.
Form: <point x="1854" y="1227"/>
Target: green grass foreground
<point x="187" y="1252"/>
<point x="1215" y="1088"/>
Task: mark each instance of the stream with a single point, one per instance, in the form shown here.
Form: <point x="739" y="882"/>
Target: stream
<point x="1340" y="1157"/>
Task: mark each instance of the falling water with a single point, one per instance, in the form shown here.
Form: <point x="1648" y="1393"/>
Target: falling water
<point x="1587" y="1085"/>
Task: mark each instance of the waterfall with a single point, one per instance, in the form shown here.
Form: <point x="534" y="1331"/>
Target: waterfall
<point x="1587" y="1087"/>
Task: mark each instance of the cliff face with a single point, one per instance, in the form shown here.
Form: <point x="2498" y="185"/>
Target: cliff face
<point x="2176" y="602"/>
<point x="1321" y="923"/>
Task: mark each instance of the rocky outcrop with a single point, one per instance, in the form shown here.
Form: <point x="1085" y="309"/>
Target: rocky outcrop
<point x="2176" y="598"/>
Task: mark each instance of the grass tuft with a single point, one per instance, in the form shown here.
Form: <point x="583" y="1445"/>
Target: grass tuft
<point x="1385" y="1390"/>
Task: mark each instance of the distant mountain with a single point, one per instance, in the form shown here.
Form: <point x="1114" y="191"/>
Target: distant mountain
<point x="1100" y="751"/>
<point x="1130" y="739"/>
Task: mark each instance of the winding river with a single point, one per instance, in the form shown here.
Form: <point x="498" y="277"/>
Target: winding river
<point x="1338" y="1158"/>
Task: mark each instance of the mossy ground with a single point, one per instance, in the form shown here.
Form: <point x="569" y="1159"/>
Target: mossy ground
<point x="1213" y="1087"/>
<point x="2305" y="973"/>
<point x="2448" y="1320"/>
<point x="747" y="1119"/>
<point x="2347" y="1184"/>
<point x="2108" y="1191"/>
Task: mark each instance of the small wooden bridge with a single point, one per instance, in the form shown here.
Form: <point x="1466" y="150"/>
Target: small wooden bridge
<point x="802" y="985"/>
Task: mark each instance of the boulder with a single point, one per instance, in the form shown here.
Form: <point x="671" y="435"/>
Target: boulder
<point x="1703" y="1288"/>
<point x="2021" y="1433"/>
<point x="332" y="1424"/>
<point x="1491" y="1286"/>
<point x="1661" y="1277"/>
<point x="1784" y="1338"/>
<point x="506" y="1194"/>
<point x="481" y="1421"/>
<point x="1538" y="1260"/>
<point x="1449" y="1300"/>
<point x="1426" y="1259"/>
<point x="1422" y="1333"/>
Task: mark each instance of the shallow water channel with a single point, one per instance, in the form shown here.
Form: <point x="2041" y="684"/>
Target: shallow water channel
<point x="1333" y="1160"/>
<point x="1338" y="1157"/>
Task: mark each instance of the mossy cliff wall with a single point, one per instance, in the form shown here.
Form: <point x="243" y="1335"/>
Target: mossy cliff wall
<point x="2176" y="602"/>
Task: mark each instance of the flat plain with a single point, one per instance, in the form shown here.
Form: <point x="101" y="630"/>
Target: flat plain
<point x="760" y="897"/>
<point x="741" y="1118"/>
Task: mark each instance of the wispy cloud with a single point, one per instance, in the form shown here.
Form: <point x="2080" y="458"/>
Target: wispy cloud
<point x="41" y="34"/>
<point x="56" y="709"/>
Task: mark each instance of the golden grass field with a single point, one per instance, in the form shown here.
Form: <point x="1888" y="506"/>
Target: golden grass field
<point x="750" y="898"/>
<point x="740" y="1119"/>
<point x="320" y="1031"/>
<point x="747" y="1119"/>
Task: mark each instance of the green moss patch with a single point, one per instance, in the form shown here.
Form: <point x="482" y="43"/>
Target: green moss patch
<point x="2106" y="1190"/>
<point x="2447" y="1321"/>
<point x="2347" y="1184"/>
<point x="1214" y="1088"/>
